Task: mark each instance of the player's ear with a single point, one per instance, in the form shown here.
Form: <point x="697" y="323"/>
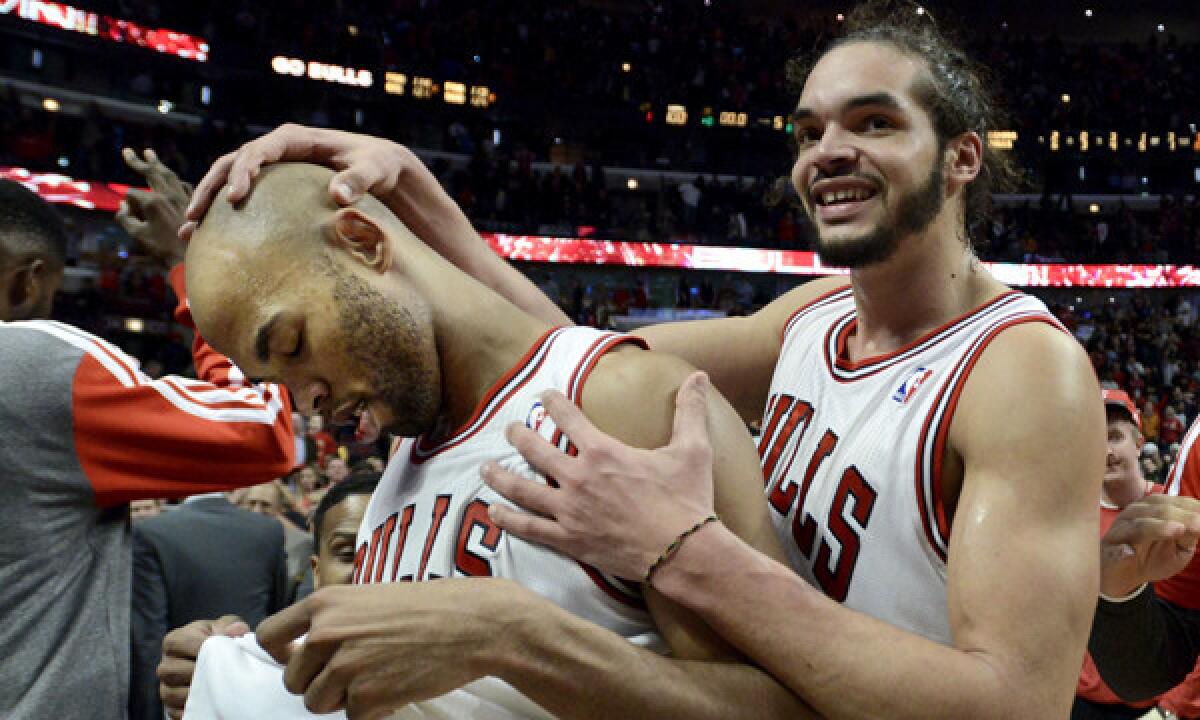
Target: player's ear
<point x="25" y="289"/>
<point x="362" y="236"/>
<point x="964" y="158"/>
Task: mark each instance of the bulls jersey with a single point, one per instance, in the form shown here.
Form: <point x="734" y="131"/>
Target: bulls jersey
<point x="429" y="516"/>
<point x="852" y="453"/>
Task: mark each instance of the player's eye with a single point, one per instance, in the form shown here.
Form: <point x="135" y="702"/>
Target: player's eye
<point x="876" y="123"/>
<point x="299" y="346"/>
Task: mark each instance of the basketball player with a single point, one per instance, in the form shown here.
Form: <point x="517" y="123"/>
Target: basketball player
<point x="385" y="333"/>
<point x="932" y="440"/>
<point x="85" y="432"/>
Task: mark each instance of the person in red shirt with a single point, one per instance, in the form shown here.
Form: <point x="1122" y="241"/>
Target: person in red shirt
<point x="1123" y="485"/>
<point x="1171" y="430"/>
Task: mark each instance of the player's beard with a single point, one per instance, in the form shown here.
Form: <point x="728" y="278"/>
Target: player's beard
<point x="914" y="212"/>
<point x="384" y="343"/>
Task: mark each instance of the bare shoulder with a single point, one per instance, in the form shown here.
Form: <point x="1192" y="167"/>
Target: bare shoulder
<point x="631" y="395"/>
<point x="1033" y="391"/>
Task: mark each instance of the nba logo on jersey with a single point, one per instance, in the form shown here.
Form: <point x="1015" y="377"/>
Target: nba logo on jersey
<point x="910" y="386"/>
<point x="535" y="418"/>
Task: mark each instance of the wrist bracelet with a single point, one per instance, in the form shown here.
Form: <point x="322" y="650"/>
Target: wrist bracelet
<point x="674" y="546"/>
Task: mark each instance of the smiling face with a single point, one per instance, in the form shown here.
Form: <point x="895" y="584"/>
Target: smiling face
<point x="1123" y="480"/>
<point x="286" y="288"/>
<point x="869" y="164"/>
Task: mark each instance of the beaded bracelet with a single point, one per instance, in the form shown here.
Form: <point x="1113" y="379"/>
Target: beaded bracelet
<point x="674" y="546"/>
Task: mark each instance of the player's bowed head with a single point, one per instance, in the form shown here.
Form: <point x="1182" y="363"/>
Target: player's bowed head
<point x="336" y="303"/>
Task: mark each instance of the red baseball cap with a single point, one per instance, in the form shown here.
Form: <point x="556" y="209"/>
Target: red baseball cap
<point x="1121" y="399"/>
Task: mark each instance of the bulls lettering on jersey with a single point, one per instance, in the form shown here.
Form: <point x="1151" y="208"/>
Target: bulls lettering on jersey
<point x="852" y="451"/>
<point x="429" y="519"/>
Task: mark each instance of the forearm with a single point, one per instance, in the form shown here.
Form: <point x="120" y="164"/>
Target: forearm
<point x="842" y="663"/>
<point x="1144" y="646"/>
<point x="575" y="669"/>
<point x="475" y="257"/>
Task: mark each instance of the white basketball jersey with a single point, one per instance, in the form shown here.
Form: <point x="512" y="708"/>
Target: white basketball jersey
<point x="429" y="516"/>
<point x="852" y="455"/>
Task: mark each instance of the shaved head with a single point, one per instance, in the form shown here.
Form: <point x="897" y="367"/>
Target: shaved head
<point x="299" y="290"/>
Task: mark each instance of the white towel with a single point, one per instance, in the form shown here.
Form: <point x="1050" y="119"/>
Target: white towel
<point x="236" y="679"/>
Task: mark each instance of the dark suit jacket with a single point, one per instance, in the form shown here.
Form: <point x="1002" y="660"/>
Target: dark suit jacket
<point x="202" y="560"/>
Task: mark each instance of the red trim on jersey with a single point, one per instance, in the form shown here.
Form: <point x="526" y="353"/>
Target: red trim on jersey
<point x="597" y="350"/>
<point x="623" y="591"/>
<point x="424" y="447"/>
<point x="810" y="305"/>
<point x="844" y="370"/>
<point x="929" y="489"/>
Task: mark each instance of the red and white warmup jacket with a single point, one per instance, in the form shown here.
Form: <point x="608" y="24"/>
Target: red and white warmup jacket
<point x="82" y="432"/>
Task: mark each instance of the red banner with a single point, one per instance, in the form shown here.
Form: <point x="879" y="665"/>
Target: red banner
<point x="107" y="197"/>
<point x="65" y="17"/>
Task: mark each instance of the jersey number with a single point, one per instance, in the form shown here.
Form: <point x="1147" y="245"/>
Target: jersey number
<point x="788" y="419"/>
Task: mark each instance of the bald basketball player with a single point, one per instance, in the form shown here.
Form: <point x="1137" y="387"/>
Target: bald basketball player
<point x="364" y="322"/>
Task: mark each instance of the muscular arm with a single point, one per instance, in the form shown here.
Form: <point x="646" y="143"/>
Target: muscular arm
<point x="575" y="669"/>
<point x="739" y="354"/>
<point x="1144" y="646"/>
<point x="1022" y="564"/>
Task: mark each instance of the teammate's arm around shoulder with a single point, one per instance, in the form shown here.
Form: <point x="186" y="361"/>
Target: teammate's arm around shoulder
<point x="631" y="397"/>
<point x="738" y="353"/>
<point x="1023" y="562"/>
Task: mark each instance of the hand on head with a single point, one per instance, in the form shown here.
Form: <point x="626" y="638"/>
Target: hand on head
<point x="362" y="164"/>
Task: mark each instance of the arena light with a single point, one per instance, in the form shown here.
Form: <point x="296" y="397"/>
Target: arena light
<point x="72" y="19"/>
<point x="626" y="67"/>
<point x="395" y="83"/>
<point x="51" y="105"/>
<point x="1142" y="143"/>
<point x="1083" y="141"/>
<point x="1001" y="139"/>
<point x="1087" y="13"/>
<point x="777" y="122"/>
<point x="733" y="119"/>
<point x="482" y="96"/>
<point x="1171" y="141"/>
<point x="1162" y="28"/>
<point x="454" y="93"/>
<point x="422" y="87"/>
<point x="1054" y="141"/>
<point x="165" y="106"/>
<point x="632" y="183"/>
<point x="135" y="325"/>
<point x="1112" y="141"/>
<point x="676" y="115"/>
<point x="1094" y="208"/>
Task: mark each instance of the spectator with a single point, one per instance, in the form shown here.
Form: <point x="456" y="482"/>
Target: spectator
<point x="272" y="500"/>
<point x="147" y="508"/>
<point x="336" y="470"/>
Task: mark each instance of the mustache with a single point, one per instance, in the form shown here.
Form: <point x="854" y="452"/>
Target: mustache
<point x="872" y="178"/>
